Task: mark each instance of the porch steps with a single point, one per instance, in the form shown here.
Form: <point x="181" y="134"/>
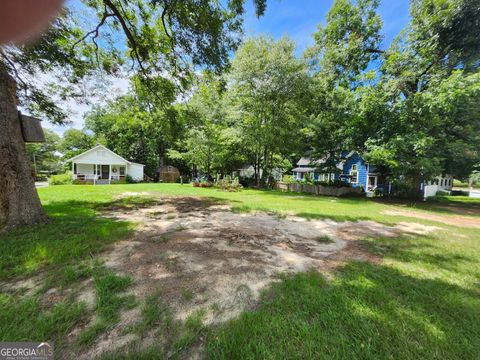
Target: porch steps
<point x="102" y="182"/>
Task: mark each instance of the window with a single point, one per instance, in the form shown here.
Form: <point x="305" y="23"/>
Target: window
<point x="74" y="168"/>
<point x="122" y="170"/>
<point x="354" y="174"/>
<point x="332" y="177"/>
<point x="441" y="182"/>
<point x="169" y="168"/>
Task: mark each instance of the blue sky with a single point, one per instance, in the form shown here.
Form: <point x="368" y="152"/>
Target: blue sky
<point x="299" y="19"/>
<point x="296" y="18"/>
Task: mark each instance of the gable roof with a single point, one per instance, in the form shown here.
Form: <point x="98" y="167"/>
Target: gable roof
<point x="98" y="146"/>
<point x="304" y="161"/>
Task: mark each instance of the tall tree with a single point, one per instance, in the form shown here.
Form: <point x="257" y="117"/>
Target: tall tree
<point x="211" y="142"/>
<point x="412" y="108"/>
<point x="45" y="156"/>
<point x="75" y="142"/>
<point x="267" y="88"/>
<point x="345" y="47"/>
<point x="153" y="36"/>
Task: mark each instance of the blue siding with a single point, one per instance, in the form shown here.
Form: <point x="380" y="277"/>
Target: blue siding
<point x="362" y="170"/>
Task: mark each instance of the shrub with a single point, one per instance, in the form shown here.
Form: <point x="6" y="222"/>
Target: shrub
<point x="129" y="179"/>
<point x="288" y="179"/>
<point x="41" y="177"/>
<point x="206" y="184"/>
<point x="61" y="179"/>
<point x="229" y="184"/>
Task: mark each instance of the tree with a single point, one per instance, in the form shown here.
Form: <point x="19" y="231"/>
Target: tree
<point x="211" y="143"/>
<point x="75" y="142"/>
<point x="45" y="156"/>
<point x="159" y="37"/>
<point x="139" y="126"/>
<point x="413" y="108"/>
<point x="267" y="88"/>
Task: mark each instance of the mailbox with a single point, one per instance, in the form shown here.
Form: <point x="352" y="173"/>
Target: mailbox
<point x="31" y="129"/>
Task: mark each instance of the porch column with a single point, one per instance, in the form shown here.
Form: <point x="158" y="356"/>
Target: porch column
<point x="95" y="174"/>
<point x="73" y="170"/>
<point x="109" y="173"/>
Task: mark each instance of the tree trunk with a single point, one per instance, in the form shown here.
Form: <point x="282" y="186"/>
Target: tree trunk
<point x="19" y="201"/>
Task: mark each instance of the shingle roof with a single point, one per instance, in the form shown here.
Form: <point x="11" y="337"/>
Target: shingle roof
<point x="307" y="161"/>
<point x="303" y="169"/>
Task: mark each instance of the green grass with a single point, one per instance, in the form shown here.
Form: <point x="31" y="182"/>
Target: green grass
<point x="27" y="319"/>
<point x="324" y="239"/>
<point x="422" y="301"/>
<point x="108" y="286"/>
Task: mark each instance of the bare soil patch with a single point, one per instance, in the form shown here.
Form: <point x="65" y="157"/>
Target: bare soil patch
<point x="456" y="220"/>
<point x="204" y="257"/>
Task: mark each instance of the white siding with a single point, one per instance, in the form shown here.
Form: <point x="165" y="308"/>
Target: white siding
<point x="135" y="171"/>
<point x="85" y="169"/>
<point x="99" y="155"/>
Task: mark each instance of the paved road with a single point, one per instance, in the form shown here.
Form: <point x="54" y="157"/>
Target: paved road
<point x="39" y="184"/>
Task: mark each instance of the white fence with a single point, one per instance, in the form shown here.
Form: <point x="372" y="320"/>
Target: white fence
<point x="475" y="194"/>
<point x="430" y="190"/>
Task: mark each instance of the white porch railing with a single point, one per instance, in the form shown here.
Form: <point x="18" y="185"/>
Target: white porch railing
<point x="95" y="178"/>
<point x="117" y="177"/>
<point x="86" y="177"/>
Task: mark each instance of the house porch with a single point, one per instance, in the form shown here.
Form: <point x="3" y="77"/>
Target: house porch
<point x="99" y="173"/>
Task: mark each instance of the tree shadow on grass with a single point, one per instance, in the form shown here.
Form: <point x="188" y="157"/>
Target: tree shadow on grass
<point x="74" y="231"/>
<point x="423" y="303"/>
<point x="422" y="251"/>
<point x="367" y="312"/>
<point x="446" y="205"/>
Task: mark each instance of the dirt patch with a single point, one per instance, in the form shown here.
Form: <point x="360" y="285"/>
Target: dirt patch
<point x="27" y="286"/>
<point x="128" y="194"/>
<point x="204" y="257"/>
<point x="456" y="220"/>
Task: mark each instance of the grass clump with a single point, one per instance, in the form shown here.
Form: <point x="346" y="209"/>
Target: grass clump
<point x="187" y="294"/>
<point x="108" y="287"/>
<point x="324" y="239"/>
<point x="28" y="318"/>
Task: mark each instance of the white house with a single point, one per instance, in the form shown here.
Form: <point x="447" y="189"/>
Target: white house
<point x="102" y="166"/>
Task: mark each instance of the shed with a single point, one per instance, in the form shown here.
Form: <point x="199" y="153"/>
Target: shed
<point x="168" y="173"/>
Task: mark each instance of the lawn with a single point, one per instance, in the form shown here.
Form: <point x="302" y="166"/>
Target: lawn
<point x="421" y="301"/>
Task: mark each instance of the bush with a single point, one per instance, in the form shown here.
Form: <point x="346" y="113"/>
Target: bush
<point x="61" y="179"/>
<point x="41" y="177"/>
<point x="288" y="179"/>
<point x="229" y="184"/>
<point x="130" y="180"/>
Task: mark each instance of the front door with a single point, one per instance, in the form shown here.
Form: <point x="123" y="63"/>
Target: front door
<point x="372" y="182"/>
<point x="105" y="171"/>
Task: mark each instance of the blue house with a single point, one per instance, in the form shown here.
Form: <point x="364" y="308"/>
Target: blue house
<point x="353" y="169"/>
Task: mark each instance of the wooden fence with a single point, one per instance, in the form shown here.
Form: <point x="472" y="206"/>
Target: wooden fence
<point x="318" y="189"/>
